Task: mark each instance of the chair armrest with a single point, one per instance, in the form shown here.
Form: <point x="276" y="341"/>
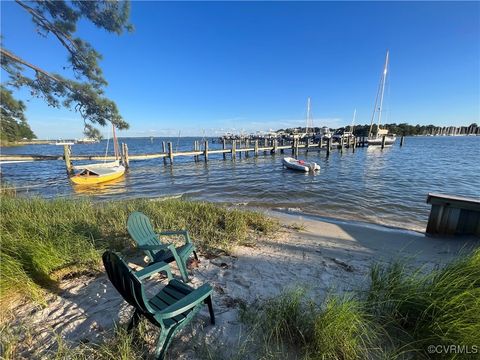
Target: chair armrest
<point x="188" y="302"/>
<point x="154" y="269"/>
<point x="178" y="232"/>
<point x="153" y="247"/>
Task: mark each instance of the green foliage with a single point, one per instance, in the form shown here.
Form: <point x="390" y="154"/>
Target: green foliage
<point x="292" y="326"/>
<point x="13" y="124"/>
<point x="344" y="330"/>
<point x="402" y="312"/>
<point x="43" y="240"/>
<point x="85" y="94"/>
<point x="402" y="129"/>
<point x="92" y="133"/>
<point x="440" y="308"/>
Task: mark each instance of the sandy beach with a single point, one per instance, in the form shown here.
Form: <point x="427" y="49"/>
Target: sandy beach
<point x="323" y="255"/>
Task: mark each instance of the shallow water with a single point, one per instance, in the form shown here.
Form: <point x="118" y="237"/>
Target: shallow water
<point x="387" y="186"/>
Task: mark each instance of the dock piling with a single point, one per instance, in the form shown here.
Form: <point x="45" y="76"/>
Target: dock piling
<point x="401" y="140"/>
<point x="383" y="141"/>
<point x="125" y="160"/>
<point x="170" y="152"/>
<point x="164" y="150"/>
<point x="329" y="147"/>
<point x="234" y="149"/>
<point x="67" y="151"/>
<point x="224" y="146"/>
<point x="256" y="148"/>
<point x="206" y="150"/>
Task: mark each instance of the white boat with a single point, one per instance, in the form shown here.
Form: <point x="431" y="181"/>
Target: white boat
<point x="300" y="165"/>
<point x="88" y="141"/>
<point x="63" y="142"/>
<point x="377" y="138"/>
<point x="90" y="174"/>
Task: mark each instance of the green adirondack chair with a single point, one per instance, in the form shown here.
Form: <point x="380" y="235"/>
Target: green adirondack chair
<point x="171" y="309"/>
<point x="141" y="230"/>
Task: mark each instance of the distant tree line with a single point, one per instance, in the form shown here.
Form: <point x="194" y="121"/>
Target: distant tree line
<point x="402" y="129"/>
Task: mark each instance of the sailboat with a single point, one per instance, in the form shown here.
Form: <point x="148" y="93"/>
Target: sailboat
<point x="377" y="138"/>
<point x="97" y="173"/>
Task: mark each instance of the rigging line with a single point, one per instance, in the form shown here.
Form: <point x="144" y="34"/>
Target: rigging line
<point x="387" y="100"/>
<point x="106" y="150"/>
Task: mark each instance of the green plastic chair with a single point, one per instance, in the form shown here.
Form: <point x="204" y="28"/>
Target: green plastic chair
<point x="171" y="309"/>
<point x="141" y="230"/>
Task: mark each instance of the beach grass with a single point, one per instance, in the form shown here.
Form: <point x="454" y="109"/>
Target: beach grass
<point x="292" y="325"/>
<point x="115" y="344"/>
<point x="440" y="308"/>
<point x="44" y="240"/>
<point x="401" y="313"/>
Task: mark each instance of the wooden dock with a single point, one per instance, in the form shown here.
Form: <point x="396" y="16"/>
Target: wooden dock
<point x="201" y="151"/>
<point x="453" y="215"/>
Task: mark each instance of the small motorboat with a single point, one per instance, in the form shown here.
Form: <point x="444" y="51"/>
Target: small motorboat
<point x="300" y="165"/>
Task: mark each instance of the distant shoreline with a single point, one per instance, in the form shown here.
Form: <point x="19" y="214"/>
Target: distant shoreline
<point x="47" y="142"/>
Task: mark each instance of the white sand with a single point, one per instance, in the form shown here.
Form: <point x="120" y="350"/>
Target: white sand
<point x="327" y="256"/>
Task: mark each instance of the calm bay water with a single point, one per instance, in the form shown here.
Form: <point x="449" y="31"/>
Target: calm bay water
<point x="382" y="186"/>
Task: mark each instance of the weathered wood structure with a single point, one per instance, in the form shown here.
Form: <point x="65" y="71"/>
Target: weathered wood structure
<point x="168" y="154"/>
<point x="453" y="215"/>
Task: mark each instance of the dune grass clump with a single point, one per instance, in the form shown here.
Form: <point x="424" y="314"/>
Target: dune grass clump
<point x="7" y="189"/>
<point x="293" y="326"/>
<point x="344" y="330"/>
<point x="401" y="314"/>
<point x="288" y="319"/>
<point x="439" y="308"/>
<point x="43" y="240"/>
<point x="115" y="344"/>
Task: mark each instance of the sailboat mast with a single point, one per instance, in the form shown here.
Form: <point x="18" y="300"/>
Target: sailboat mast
<point x="115" y="142"/>
<point x="384" y="80"/>
<point x="380" y="90"/>
<point x="375" y="107"/>
<point x="308" y="115"/>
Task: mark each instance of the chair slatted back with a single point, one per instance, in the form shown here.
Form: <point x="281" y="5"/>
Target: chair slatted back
<point x="126" y="282"/>
<point x="141" y="230"/>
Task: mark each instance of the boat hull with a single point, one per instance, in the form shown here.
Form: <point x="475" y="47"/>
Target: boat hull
<point x="389" y="140"/>
<point x="294" y="164"/>
<point x="83" y="179"/>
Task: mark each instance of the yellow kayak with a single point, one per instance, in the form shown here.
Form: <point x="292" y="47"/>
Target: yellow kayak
<point x="96" y="175"/>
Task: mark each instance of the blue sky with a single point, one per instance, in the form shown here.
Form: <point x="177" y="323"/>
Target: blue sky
<point x="210" y="67"/>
